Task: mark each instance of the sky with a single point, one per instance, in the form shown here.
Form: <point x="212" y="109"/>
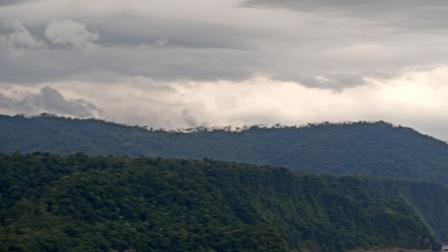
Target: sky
<point x="182" y="64"/>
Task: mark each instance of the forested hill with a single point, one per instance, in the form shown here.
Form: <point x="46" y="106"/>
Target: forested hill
<point x="81" y="203"/>
<point x="370" y="149"/>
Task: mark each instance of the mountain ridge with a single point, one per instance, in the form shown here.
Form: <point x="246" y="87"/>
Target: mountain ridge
<point x="405" y="163"/>
<point x="360" y="149"/>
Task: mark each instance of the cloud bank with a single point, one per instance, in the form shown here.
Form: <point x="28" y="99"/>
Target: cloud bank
<point x="220" y="62"/>
<point x="47" y="100"/>
<point x="322" y="44"/>
<point x="416" y="99"/>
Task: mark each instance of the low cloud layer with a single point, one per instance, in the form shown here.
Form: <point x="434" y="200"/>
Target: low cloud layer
<point x="416" y="99"/>
<point x="227" y="62"/>
<point x="47" y="100"/>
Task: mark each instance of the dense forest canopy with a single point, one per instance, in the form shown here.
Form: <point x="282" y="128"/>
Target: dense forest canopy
<point x="364" y="148"/>
<point x="415" y="166"/>
<point x="80" y="203"/>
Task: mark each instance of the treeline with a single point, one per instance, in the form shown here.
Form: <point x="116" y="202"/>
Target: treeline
<point x="81" y="203"/>
<point x="361" y="149"/>
<point x="234" y="129"/>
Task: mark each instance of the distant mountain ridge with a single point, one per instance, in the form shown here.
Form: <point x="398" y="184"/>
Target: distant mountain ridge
<point x="362" y="149"/>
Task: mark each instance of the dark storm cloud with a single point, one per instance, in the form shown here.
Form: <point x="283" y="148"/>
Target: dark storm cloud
<point x="160" y="49"/>
<point x="12" y="2"/>
<point x="103" y="64"/>
<point x="332" y="44"/>
<point x="6" y="2"/>
<point x="361" y="8"/>
<point x="176" y="33"/>
<point x="354" y="6"/>
<point x="409" y="14"/>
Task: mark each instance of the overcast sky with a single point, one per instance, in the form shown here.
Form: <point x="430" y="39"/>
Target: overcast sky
<point x="177" y="63"/>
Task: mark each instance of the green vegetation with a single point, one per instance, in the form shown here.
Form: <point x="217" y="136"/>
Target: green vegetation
<point x="360" y="149"/>
<point x="350" y="149"/>
<point x="428" y="199"/>
<point x="80" y="203"/>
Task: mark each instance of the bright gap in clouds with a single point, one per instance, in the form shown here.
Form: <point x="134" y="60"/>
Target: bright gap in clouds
<point x="416" y="99"/>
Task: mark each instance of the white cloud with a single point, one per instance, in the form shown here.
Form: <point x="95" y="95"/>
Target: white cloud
<point x="46" y="100"/>
<point x="68" y="32"/>
<point x="16" y="35"/>
<point x="416" y="98"/>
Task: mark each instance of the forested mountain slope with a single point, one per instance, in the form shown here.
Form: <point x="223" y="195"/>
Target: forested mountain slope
<point x="430" y="200"/>
<point x="367" y="149"/>
<point x="81" y="203"/>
